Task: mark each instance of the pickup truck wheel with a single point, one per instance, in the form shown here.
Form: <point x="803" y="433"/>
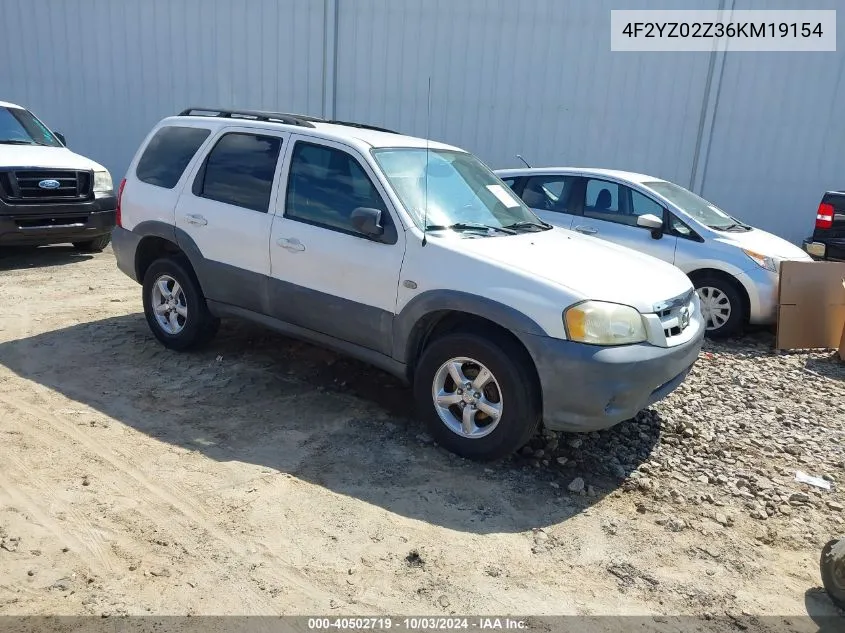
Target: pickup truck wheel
<point x="721" y="306"/>
<point x="175" y="306"/>
<point x="93" y="246"/>
<point x="477" y="397"/>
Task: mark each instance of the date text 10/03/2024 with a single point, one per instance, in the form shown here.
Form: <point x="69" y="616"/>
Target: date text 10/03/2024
<point x="417" y="624"/>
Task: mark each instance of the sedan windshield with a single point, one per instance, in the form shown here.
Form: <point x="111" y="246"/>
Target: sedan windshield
<point x="697" y="207"/>
<point x="19" y="127"/>
<point x="446" y="189"/>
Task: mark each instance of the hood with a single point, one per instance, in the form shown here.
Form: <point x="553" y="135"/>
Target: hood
<point x="764" y="243"/>
<point x="44" y="157"/>
<point x="587" y="266"/>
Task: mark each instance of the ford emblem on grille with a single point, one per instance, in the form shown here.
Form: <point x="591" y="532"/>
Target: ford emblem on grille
<point x="49" y="184"/>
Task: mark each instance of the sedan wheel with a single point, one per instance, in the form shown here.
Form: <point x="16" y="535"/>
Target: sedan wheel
<point x="715" y="307"/>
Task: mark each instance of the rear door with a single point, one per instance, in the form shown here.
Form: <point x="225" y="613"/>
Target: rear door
<point x="225" y="210"/>
<point x="830" y="224"/>
<point x="610" y="212"/>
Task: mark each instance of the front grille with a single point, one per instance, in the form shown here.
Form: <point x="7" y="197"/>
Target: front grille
<point x="25" y="186"/>
<point x="676" y="315"/>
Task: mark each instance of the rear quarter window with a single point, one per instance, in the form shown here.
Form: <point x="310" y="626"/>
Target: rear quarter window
<point x="168" y="153"/>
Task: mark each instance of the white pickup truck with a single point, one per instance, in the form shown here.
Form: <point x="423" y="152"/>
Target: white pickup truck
<point x="407" y="254"/>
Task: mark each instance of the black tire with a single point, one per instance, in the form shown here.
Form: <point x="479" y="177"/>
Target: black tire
<point x="737" y="316"/>
<point x="832" y="571"/>
<point x="514" y="374"/>
<point x="199" y="326"/>
<point x="93" y="246"/>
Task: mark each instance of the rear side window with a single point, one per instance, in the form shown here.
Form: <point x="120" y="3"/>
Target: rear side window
<point x="239" y="170"/>
<point x="168" y="154"/>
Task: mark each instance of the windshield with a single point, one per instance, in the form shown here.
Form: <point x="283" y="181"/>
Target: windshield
<point x="20" y="127"/>
<point x="462" y="193"/>
<point x="697" y="207"/>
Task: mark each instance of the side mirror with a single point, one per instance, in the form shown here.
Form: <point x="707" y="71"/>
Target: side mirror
<point x="653" y="223"/>
<point x="367" y="221"/>
<point x="61" y="137"/>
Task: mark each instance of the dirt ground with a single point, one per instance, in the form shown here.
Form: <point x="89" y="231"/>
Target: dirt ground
<point x="267" y="476"/>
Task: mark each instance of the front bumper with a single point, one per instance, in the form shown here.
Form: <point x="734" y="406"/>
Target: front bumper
<point x="589" y="388"/>
<point x="37" y="224"/>
<point x="761" y="286"/>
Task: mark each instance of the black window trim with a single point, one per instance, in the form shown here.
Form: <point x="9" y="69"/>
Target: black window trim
<point x="390" y="235"/>
<point x="199" y="179"/>
<point x="189" y="167"/>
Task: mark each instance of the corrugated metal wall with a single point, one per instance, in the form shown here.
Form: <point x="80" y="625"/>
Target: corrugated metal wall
<point x="758" y="133"/>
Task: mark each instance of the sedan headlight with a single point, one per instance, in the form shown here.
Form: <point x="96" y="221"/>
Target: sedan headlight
<point x="102" y="181"/>
<point x="763" y="261"/>
<point x="600" y="323"/>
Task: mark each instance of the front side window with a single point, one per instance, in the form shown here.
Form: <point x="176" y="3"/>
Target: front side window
<point x="643" y="205"/>
<point x="20" y="127"/>
<point x="602" y="199"/>
<point x="448" y="189"/>
<point x="168" y="153"/>
<point x="326" y="185"/>
<point x="240" y="169"/>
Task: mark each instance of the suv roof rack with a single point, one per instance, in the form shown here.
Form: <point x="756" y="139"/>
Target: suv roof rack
<point x="277" y="117"/>
<point x="255" y="115"/>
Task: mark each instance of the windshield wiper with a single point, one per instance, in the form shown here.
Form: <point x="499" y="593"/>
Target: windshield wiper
<point x="540" y="226"/>
<point x="730" y="227"/>
<point x="14" y="141"/>
<point x="469" y="226"/>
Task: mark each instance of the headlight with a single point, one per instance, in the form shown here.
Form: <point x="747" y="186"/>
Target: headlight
<point x="600" y="323"/>
<point x="763" y="261"/>
<point x="102" y="181"/>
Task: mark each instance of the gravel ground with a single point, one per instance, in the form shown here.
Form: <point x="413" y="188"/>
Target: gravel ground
<point x="267" y="476"/>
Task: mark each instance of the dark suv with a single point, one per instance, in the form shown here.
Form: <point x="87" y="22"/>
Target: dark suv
<point x="48" y="194"/>
<point x="828" y="239"/>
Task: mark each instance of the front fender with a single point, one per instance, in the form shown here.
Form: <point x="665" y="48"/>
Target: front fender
<point x="455" y="301"/>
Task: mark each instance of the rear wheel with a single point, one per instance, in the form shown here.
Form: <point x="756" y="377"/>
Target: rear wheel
<point x="477" y="394"/>
<point x="93" y="246"/>
<point x="721" y="305"/>
<point x="175" y="306"/>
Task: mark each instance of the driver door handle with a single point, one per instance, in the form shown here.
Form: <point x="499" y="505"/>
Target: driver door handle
<point x="586" y="230"/>
<point x="291" y="244"/>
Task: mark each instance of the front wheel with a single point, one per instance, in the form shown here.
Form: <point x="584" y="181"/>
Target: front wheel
<point x="477" y="394"/>
<point x="721" y="306"/>
<point x="175" y="306"/>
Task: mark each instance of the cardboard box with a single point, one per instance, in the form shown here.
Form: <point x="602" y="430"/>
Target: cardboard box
<point x="811" y="306"/>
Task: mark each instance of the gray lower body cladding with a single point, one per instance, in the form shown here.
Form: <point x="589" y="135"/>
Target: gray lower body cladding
<point x="584" y="387"/>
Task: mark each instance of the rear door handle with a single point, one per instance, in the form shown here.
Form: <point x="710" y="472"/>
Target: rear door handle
<point x="194" y="218"/>
<point x="586" y="230"/>
<point x="290" y="243"/>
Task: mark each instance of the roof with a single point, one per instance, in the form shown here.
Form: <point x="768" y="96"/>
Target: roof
<point x="617" y="174"/>
<point x="6" y="104"/>
<point x="361" y="137"/>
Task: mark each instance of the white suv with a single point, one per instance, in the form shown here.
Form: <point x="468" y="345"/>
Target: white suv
<point x="410" y="255"/>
